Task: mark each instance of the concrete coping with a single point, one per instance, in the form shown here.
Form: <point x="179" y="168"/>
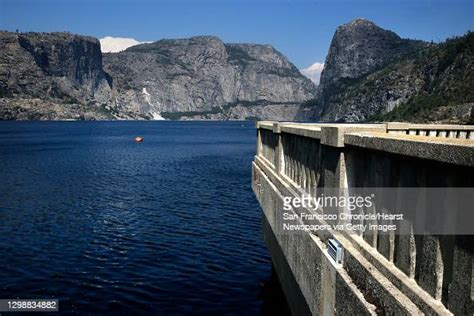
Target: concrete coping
<point x="305" y="131"/>
<point x="390" y="126"/>
<point x="333" y="132"/>
<point x="333" y="135"/>
<point x="398" y="126"/>
<point x="302" y="129"/>
<point x="265" y="125"/>
<point x="450" y="150"/>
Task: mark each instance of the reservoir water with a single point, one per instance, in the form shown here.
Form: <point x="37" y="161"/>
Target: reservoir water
<point x="109" y="226"/>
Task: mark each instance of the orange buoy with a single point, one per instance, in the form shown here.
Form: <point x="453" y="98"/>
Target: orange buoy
<point x="138" y="139"/>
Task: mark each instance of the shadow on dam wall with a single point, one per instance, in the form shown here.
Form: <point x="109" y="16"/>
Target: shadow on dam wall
<point x="281" y="272"/>
<point x="402" y="274"/>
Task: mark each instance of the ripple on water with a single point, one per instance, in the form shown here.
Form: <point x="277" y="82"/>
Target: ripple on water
<point x="169" y="226"/>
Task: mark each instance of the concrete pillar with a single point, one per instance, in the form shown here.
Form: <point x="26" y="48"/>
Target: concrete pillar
<point x="383" y="177"/>
<point x="279" y="158"/>
<point x="259" y="141"/>
<point x="328" y="291"/>
<point x="405" y="249"/>
<point x="333" y="163"/>
<point x="431" y="266"/>
<point x="461" y="289"/>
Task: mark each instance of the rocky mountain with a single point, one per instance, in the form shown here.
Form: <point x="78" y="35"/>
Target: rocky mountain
<point x="202" y="77"/>
<point x="51" y="75"/>
<point x="370" y="72"/>
<point x="65" y="76"/>
<point x="360" y="47"/>
<point x="440" y="81"/>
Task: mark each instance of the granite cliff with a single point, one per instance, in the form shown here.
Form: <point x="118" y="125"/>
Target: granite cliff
<point x="65" y="76"/>
<point x="202" y="77"/>
<point x="373" y="74"/>
<point x="370" y="74"/>
<point x="51" y="76"/>
<point x="360" y="47"/>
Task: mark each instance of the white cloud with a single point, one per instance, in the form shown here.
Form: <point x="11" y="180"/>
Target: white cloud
<point x="110" y="44"/>
<point x="313" y="72"/>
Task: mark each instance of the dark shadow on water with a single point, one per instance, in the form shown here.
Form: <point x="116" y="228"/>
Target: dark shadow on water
<point x="274" y="300"/>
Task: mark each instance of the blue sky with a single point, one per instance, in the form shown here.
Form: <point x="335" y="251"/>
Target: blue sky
<point x="301" y="29"/>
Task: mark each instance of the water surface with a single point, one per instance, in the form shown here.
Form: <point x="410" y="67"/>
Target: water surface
<point x="107" y="226"/>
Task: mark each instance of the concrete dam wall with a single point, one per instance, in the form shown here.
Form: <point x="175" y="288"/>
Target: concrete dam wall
<point x="394" y="274"/>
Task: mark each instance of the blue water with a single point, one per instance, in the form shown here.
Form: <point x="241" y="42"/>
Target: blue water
<point x="107" y="226"/>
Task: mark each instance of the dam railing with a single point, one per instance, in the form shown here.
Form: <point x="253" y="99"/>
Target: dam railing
<point x="434" y="130"/>
<point x="380" y="273"/>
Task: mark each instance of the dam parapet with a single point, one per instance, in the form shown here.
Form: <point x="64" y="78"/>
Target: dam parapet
<point x="405" y="273"/>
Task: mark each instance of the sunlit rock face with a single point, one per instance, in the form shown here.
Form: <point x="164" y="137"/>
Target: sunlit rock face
<point x="351" y="88"/>
<point x="66" y="76"/>
<point x="360" y="47"/>
<point x="204" y="77"/>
